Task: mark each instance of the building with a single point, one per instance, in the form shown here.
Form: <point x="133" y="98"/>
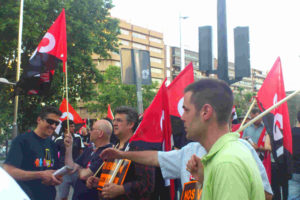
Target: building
<point x="137" y="37"/>
<point x="252" y="83"/>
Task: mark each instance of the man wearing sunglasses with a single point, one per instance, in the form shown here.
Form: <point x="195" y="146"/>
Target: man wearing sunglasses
<point x="32" y="157"/>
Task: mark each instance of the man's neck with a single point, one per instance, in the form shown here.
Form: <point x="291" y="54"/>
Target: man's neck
<point x="213" y="134"/>
<point x="124" y="139"/>
<point x="39" y="133"/>
<point x="101" y="143"/>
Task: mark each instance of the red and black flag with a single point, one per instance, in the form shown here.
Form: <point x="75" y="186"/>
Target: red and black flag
<point x="175" y="95"/>
<point x="155" y="126"/>
<point x="277" y="122"/>
<point x="37" y="75"/>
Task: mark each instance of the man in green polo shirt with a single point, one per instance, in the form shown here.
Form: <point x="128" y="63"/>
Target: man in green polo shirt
<point x="230" y="171"/>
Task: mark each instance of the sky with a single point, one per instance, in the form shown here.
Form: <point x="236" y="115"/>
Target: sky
<point x="273" y="24"/>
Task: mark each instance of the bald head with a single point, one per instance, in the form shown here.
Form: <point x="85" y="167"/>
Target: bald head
<point x="105" y="126"/>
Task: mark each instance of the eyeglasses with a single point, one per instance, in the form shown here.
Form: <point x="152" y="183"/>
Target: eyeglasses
<point x="51" y="122"/>
<point x="93" y="129"/>
<point x="118" y="120"/>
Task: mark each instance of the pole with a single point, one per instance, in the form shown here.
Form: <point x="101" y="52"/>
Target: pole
<point x="138" y="79"/>
<point x="182" y="56"/>
<point x="67" y="98"/>
<point x="268" y="110"/>
<point x="15" y="126"/>
<point x="181" y="46"/>
<point x="248" y="112"/>
<point x="222" y="42"/>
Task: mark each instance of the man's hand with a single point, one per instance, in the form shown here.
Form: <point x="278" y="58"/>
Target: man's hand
<point x="195" y="167"/>
<point x="111" y="153"/>
<point x="68" y="141"/>
<point x="111" y="190"/>
<point x="92" y="182"/>
<point x="49" y="179"/>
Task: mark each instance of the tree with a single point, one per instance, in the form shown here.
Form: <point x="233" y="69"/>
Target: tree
<point x="112" y="91"/>
<point x="90" y="29"/>
<point x="242" y="101"/>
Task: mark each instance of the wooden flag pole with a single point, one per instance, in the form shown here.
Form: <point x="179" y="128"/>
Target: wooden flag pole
<point x="248" y="112"/>
<point x="268" y="110"/>
<point x="67" y="98"/>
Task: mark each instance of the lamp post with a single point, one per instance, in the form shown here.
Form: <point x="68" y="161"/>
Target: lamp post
<point x="182" y="62"/>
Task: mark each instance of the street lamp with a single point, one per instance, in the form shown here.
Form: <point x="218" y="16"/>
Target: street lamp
<point x="182" y="63"/>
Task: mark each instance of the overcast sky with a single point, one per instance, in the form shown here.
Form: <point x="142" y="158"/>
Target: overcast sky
<point x="274" y="27"/>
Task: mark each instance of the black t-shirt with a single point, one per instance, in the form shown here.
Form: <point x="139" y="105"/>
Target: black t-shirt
<point x="296" y="149"/>
<point x="77" y="146"/>
<point x="30" y="152"/>
<point x="88" y="159"/>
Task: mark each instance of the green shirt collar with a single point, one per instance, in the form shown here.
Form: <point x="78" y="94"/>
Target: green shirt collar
<point x="219" y="145"/>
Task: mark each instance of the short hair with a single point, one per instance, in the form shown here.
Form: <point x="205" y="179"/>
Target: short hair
<point x="64" y="124"/>
<point x="214" y="92"/>
<point x="298" y="116"/>
<point x="131" y="114"/>
<point x="255" y="111"/>
<point x="49" y="110"/>
<point x="106" y="127"/>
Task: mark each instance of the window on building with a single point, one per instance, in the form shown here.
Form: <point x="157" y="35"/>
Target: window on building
<point x="124" y="42"/>
<point x="157" y="40"/>
<point x="138" y="35"/>
<point x="139" y="46"/>
<point x="156" y="70"/>
<point x="157" y="60"/>
<point x="156" y="50"/>
<point x="124" y="32"/>
<point x="117" y="63"/>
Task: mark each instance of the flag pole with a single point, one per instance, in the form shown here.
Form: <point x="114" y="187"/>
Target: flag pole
<point x="67" y="96"/>
<point x="268" y="110"/>
<point x="15" y="126"/>
<point x="248" y="112"/>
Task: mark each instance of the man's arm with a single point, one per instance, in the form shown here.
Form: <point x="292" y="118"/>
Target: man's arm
<point x="68" y="141"/>
<point x="47" y="176"/>
<point x="143" y="157"/>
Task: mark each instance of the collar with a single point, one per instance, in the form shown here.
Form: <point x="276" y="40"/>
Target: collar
<point x="219" y="144"/>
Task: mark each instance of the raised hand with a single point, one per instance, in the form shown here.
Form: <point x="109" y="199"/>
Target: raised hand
<point x="195" y="167"/>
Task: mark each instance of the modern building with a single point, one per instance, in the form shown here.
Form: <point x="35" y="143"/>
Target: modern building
<point x="252" y="83"/>
<point x="136" y="37"/>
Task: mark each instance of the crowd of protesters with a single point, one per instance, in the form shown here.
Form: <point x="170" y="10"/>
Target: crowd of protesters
<point x="225" y="165"/>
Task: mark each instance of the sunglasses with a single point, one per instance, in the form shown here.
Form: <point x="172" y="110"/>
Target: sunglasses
<point x="51" y="121"/>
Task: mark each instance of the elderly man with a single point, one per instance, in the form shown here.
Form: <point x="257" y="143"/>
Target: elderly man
<point x="88" y="162"/>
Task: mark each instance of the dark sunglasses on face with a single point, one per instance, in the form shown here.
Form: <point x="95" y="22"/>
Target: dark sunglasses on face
<point x="51" y="121"/>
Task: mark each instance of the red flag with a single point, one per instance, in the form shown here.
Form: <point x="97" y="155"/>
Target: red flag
<point x="277" y="122"/>
<point x="37" y="76"/>
<point x="55" y="40"/>
<point x="73" y="115"/>
<point x="155" y="126"/>
<point x="176" y="90"/>
<point x="109" y="113"/>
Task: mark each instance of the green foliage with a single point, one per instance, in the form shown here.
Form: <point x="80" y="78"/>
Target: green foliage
<point x="90" y="29"/>
<point x="242" y="101"/>
<point x="112" y="91"/>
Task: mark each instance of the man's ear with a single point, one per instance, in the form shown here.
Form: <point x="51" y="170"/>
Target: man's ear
<point x="101" y="134"/>
<point x="131" y="125"/>
<point x="38" y="119"/>
<point x="207" y="111"/>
